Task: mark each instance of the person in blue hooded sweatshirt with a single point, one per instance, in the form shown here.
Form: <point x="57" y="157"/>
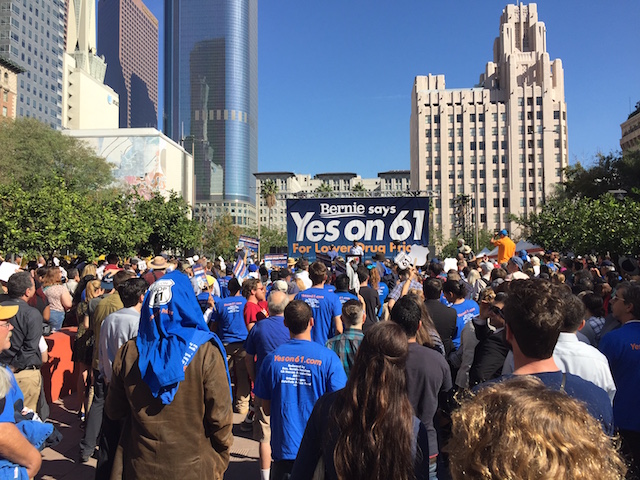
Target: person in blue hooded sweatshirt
<point x="171" y="385"/>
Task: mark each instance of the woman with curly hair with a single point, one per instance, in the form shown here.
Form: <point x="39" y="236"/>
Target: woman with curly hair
<point x="520" y="429"/>
<point x="367" y="430"/>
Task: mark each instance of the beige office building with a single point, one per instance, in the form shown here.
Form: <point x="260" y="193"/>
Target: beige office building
<point x="502" y="142"/>
<point x="340" y="183"/>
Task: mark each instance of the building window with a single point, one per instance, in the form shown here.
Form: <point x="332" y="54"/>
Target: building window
<point x="436" y="119"/>
<point x="538" y="100"/>
<point x="539" y="114"/>
<point x="523" y="201"/>
<point x="556" y="115"/>
<point x="529" y="101"/>
<point x="459" y="132"/>
<point x="481" y="146"/>
<point x="505" y="202"/>
<point x="483" y="188"/>
<point x="428" y="133"/>
<point x="520" y="101"/>
<point x="520" y="115"/>
<point x="532" y="202"/>
<point x="427" y="119"/>
<point x="503" y="144"/>
<point x="481" y="117"/>
<point x="483" y="217"/>
<point x="451" y="132"/>
<point x="459" y="146"/>
<point x="529" y="115"/>
<point x="539" y="143"/>
<point x="481" y="160"/>
<point x="459" y="118"/>
<point x="495" y="159"/>
<point x="483" y="203"/>
<point x="556" y="143"/>
<point x="460" y="160"/>
<point x="472" y="117"/>
<point x="496" y="202"/>
<point x="472" y="145"/>
<point x="494" y="145"/>
<point x="450" y="118"/>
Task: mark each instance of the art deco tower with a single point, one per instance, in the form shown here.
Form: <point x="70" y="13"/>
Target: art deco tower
<point x="502" y="143"/>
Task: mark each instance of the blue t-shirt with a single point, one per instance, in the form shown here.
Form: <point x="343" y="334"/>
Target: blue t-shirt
<point x="325" y="306"/>
<point x="331" y="288"/>
<point x="383" y="293"/>
<point x="7" y="404"/>
<point x="265" y="336"/>
<point x="293" y="377"/>
<point x="595" y="398"/>
<point x="229" y="315"/>
<point x="466" y="311"/>
<point x="622" y="349"/>
<point x="344" y="297"/>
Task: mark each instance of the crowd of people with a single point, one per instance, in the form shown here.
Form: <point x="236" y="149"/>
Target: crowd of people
<point x="524" y="366"/>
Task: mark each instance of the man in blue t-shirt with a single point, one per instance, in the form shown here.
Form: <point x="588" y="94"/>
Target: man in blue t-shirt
<point x="264" y="338"/>
<point x="622" y="349"/>
<point x="227" y="320"/>
<point x="325" y="305"/>
<point x="342" y="289"/>
<point x="534" y="317"/>
<point x="290" y="381"/>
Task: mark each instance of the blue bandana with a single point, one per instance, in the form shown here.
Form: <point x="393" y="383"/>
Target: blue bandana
<point x="171" y="331"/>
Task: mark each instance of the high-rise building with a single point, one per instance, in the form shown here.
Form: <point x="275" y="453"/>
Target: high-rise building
<point x="87" y="103"/>
<point x="32" y="36"/>
<point x="499" y="147"/>
<point x="211" y="99"/>
<point x="128" y="39"/>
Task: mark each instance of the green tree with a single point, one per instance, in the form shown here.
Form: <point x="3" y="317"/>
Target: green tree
<point x="325" y="190"/>
<point x="609" y="173"/>
<point x="359" y="189"/>
<point x="32" y="151"/>
<point x="604" y="225"/>
<point x="268" y="191"/>
<point x="168" y="219"/>
<point x="269" y="237"/>
<point x="220" y="236"/>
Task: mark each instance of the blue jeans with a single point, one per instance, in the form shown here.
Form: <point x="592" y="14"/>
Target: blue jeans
<point x="56" y="319"/>
<point x="433" y="474"/>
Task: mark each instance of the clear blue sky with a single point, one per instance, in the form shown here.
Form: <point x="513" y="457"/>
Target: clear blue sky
<point x="335" y="77"/>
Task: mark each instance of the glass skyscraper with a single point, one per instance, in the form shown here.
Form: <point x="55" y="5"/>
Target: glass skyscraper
<point x="32" y="34"/>
<point x="211" y="99"/>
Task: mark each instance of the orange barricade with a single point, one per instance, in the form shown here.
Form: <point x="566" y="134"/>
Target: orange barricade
<point x="58" y="374"/>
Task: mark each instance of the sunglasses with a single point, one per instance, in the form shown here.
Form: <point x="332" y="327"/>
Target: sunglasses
<point x="496" y="310"/>
<point x="5" y="325"/>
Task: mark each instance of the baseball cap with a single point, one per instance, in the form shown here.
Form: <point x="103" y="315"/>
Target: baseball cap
<point x="7" y="312"/>
<point x="518" y="262"/>
<point x="504" y="232"/>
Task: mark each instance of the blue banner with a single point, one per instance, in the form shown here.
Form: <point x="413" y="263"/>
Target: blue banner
<point x="387" y="225"/>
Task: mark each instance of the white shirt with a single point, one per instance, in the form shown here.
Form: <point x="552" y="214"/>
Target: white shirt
<point x="304" y="276"/>
<point x="576" y="357"/>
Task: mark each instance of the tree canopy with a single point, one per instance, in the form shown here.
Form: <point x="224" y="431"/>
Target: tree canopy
<point x="33" y="153"/>
<point x="594" y="211"/>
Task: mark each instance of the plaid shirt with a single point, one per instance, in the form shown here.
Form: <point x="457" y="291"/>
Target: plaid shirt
<point x="397" y="291"/>
<point x="345" y="346"/>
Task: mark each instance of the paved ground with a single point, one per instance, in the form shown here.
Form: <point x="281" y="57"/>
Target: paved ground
<point x="59" y="462"/>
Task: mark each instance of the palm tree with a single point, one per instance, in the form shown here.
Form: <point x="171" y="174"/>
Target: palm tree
<point x="359" y="189"/>
<point x="325" y="189"/>
<point x="268" y="192"/>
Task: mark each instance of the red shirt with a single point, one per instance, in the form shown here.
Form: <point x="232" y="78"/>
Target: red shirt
<point x="255" y="311"/>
